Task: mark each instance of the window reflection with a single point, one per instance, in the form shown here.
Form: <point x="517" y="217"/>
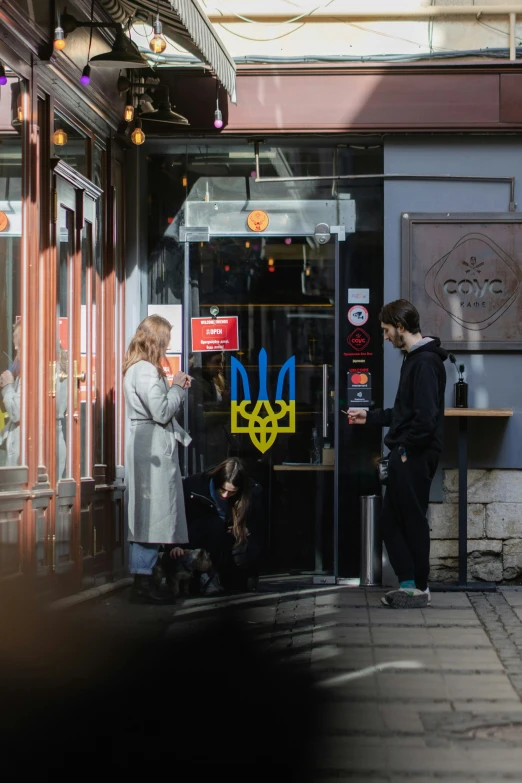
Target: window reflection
<point x="11" y="328"/>
<point x="70" y="144"/>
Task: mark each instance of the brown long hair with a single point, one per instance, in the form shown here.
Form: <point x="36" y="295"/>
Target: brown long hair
<point x="233" y="471"/>
<point x="149" y="343"/>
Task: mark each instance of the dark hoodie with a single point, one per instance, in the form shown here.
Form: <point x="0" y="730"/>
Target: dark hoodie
<point x="416" y="420"/>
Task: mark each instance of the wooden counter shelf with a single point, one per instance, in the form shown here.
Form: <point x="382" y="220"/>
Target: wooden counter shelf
<point x="304" y="467"/>
<point x="479" y="412"/>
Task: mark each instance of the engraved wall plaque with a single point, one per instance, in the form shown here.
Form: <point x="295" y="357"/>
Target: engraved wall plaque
<point x="464" y="275"/>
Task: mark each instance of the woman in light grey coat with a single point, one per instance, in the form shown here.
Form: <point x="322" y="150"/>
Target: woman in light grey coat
<point x="156" y="510"/>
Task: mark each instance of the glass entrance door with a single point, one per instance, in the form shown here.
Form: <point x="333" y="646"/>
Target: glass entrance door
<point x="268" y="395"/>
<point x="72" y="390"/>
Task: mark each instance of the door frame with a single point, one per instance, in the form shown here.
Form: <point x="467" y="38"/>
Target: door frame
<point x="188" y="235"/>
<point x="68" y="491"/>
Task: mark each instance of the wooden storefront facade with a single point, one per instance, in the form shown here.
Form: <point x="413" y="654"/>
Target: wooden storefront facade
<point x="61" y="310"/>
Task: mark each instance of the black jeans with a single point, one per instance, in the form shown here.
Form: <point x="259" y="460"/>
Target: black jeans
<point x="405" y="528"/>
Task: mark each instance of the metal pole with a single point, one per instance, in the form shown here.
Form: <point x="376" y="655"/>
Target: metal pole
<point x="463" y="499"/>
<point x="336" y="407"/>
<point x="345" y="11"/>
<point x="371" y="541"/>
<point x="325" y="400"/>
<point x="187" y="308"/>
<point x="512" y="42"/>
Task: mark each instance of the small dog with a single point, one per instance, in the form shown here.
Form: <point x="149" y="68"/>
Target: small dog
<point x="179" y="572"/>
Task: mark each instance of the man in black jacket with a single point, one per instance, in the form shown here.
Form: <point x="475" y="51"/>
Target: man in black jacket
<point x="416" y="425"/>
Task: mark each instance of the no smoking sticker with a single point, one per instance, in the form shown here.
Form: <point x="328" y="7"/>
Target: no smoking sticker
<point x="358" y="315"/>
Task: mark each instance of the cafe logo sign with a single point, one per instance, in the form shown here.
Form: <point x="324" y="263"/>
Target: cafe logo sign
<point x="475" y="283"/>
<point x="359" y="340"/>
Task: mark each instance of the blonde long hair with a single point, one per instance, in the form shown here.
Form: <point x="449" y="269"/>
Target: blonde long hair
<point x="149" y="343"/>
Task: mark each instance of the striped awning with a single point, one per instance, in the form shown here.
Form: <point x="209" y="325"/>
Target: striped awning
<point x="185" y="22"/>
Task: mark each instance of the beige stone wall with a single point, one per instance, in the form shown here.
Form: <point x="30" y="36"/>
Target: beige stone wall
<point x="494" y="527"/>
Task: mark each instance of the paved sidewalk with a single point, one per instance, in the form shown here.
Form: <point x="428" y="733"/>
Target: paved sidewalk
<point x="402" y="695"/>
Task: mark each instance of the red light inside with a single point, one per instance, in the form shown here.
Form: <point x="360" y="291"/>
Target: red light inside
<point x="226" y="268"/>
<point x="170" y="220"/>
<point x="271" y="268"/>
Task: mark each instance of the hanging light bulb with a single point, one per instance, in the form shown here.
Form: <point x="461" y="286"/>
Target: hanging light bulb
<point x="137" y="135"/>
<point x="59" y="137"/>
<point x="19" y="109"/>
<point x="128" y="113"/>
<point x="184" y="181"/>
<point x="218" y="119"/>
<point x="59" y="38"/>
<point x="158" y="44"/>
<point x="3" y="77"/>
<point x="85" y="78"/>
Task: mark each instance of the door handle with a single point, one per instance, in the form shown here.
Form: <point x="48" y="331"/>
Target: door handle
<point x="52" y="379"/>
<point x="78" y="378"/>
<point x="325" y="400"/>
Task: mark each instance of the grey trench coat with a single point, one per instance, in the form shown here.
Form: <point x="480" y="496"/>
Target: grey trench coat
<point x="156" y="511"/>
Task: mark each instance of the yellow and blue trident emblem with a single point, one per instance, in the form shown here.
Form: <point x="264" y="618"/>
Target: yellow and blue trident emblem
<point x="264" y="423"/>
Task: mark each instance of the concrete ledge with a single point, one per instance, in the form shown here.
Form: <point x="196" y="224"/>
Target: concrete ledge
<point x="89" y="595"/>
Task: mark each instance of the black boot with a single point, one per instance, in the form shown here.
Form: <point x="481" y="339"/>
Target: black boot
<point x="145" y="591"/>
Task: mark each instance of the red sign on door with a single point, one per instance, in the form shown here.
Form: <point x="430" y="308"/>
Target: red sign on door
<point x="215" y="334"/>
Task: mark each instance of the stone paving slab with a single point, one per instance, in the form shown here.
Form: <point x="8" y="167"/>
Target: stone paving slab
<point x="347" y="597"/>
<point x="325" y="633"/>
<point x="359" y="717"/>
<point x="438" y="600"/>
<point x="484" y="660"/>
<point x="429" y="617"/>
<point x="468" y="660"/>
<point x="512" y="597"/>
<point x="411" y="756"/>
<point x="490" y="706"/>
<point x="430" y="637"/>
<point x="344" y="615"/>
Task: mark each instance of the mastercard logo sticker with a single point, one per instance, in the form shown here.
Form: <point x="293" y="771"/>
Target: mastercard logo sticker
<point x="359" y="379"/>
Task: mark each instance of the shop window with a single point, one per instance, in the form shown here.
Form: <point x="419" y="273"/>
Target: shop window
<point x="99" y="169"/>
<point x="11" y="326"/>
<point x="70" y="144"/>
<point x="119" y="310"/>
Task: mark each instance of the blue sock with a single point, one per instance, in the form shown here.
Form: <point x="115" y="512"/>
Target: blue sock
<point x="408" y="583"/>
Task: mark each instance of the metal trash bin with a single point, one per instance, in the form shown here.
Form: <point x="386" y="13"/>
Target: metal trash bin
<point x="371" y="541"/>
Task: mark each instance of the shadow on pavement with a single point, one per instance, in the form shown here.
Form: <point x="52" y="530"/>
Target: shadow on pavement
<point x="147" y="704"/>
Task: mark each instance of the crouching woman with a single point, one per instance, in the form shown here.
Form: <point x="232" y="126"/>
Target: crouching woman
<point x="223" y="507"/>
<point x="156" y="512"/>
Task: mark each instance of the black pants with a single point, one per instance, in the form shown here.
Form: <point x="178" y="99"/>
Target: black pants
<point x="405" y="528"/>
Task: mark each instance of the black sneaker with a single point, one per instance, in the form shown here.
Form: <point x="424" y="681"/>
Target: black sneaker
<point x="407" y="598"/>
